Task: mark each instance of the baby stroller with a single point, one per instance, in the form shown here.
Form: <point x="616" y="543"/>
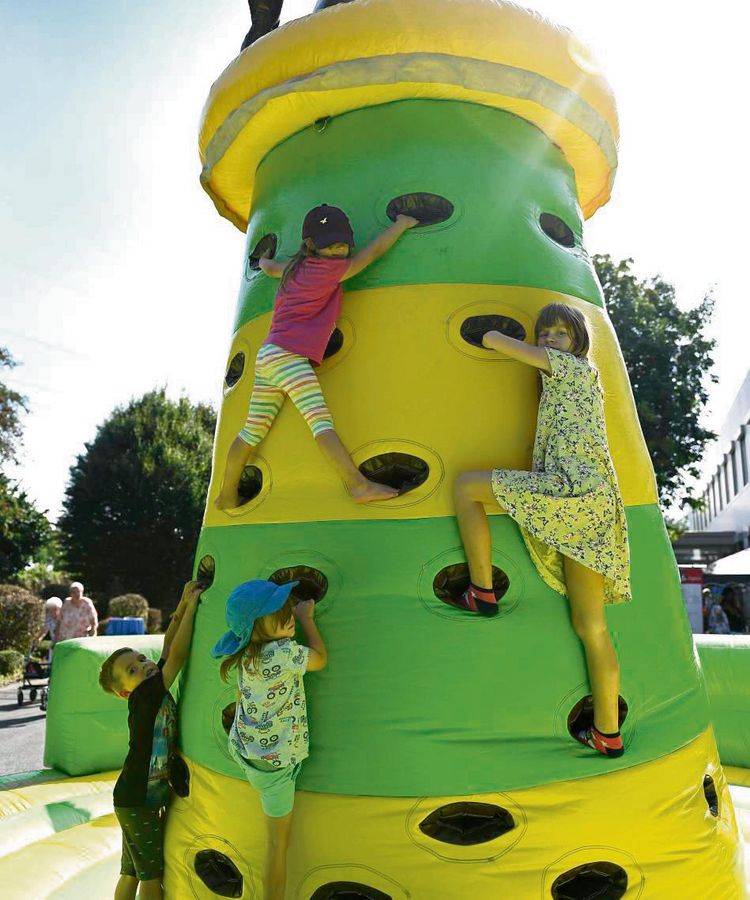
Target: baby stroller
<point x="35" y="680"/>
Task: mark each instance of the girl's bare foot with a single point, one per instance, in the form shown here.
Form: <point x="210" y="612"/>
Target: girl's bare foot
<point x="370" y="491"/>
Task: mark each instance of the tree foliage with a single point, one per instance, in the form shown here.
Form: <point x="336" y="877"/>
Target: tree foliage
<point x="668" y="358"/>
<point x="24" y="531"/>
<point x="21" y="618"/>
<point x="134" y="502"/>
<point x="12" y="404"/>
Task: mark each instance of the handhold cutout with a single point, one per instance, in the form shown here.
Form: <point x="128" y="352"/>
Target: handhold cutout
<point x="554" y="227"/>
<point x="235" y="369"/>
<point x="453" y="580"/>
<point x="592" y="881"/>
<point x="348" y="890"/>
<point x="712" y="798"/>
<point x="266" y="246"/>
<point x="335" y="343"/>
<point x="466" y="823"/>
<point x="206" y="571"/>
<point x="218" y="873"/>
<point x="251" y="484"/>
<point x="582" y="714"/>
<point x="179" y="776"/>
<point x="428" y="208"/>
<point x="474" y="328"/>
<point x="398" y="470"/>
<point x="227" y="716"/>
<point x="313" y="584"/>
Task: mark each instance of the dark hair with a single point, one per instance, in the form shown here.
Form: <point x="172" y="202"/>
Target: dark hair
<point x="107" y="681"/>
<point x="262" y="634"/>
<point x="307" y="249"/>
<point x="573" y="319"/>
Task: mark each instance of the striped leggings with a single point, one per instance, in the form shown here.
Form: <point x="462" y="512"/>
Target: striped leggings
<point x="278" y="374"/>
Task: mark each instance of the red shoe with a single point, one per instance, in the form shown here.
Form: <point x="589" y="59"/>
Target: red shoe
<point x="606" y="745"/>
<point x="472" y="601"/>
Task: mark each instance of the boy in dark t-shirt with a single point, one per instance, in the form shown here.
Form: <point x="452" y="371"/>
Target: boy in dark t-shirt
<point x="142" y="791"/>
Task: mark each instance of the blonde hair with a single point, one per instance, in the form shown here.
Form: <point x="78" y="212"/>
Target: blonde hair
<point x="573" y="319"/>
<point x="107" y="680"/>
<point x="262" y="633"/>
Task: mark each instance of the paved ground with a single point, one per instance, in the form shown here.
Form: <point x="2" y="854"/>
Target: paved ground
<point x="21" y="732"/>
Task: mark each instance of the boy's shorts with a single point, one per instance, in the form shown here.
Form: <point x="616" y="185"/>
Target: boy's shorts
<point x="275" y="786"/>
<point x="142" y="841"/>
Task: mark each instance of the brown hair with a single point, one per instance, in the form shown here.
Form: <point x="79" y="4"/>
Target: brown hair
<point x="573" y="319"/>
<point x="107" y="680"/>
<point x="262" y="633"/>
<point x="307" y="249"/>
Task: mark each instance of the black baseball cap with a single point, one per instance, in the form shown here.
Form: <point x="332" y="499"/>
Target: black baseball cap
<point x="326" y="225"/>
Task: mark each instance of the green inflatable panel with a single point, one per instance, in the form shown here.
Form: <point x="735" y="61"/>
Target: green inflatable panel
<point x="726" y="668"/>
<point x="87" y="729"/>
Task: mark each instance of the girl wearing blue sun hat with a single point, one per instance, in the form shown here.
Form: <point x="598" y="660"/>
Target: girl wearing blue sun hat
<point x="269" y="734"/>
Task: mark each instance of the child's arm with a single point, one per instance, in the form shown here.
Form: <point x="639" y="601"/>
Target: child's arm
<point x="271" y="267"/>
<point x="180" y="645"/>
<point x="303" y="613"/>
<point x="382" y="243"/>
<point x="174" y="623"/>
<point x="520" y="350"/>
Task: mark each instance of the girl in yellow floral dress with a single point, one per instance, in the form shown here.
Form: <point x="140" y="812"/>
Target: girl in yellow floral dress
<point x="568" y="507"/>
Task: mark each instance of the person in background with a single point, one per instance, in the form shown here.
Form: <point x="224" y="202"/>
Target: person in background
<point x="52" y="609"/>
<point x="718" y="623"/>
<point x="733" y="609"/>
<point x="78" y="616"/>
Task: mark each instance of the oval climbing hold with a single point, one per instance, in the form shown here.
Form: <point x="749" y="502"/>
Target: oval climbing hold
<point x="474" y="328"/>
<point x="235" y="369"/>
<point x="466" y="823"/>
<point x="266" y="246"/>
<point x="179" y="775"/>
<point x="402" y="471"/>
<point x="313" y="584"/>
<point x="206" y="571"/>
<point x="557" y="230"/>
<point x="218" y="873"/>
<point x="335" y="343"/>
<point x="599" y="880"/>
<point x="712" y="798"/>
<point x="581" y="716"/>
<point x="428" y="208"/>
<point x="453" y="580"/>
<point x="251" y="484"/>
<point x="348" y="890"/>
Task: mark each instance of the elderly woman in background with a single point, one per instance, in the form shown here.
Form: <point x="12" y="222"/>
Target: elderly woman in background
<point x="78" y="617"/>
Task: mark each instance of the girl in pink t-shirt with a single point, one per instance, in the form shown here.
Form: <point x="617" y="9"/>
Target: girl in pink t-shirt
<point x="305" y="311"/>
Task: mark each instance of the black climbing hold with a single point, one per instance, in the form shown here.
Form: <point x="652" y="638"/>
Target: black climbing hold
<point x="179" y="775"/>
<point x="465" y="823"/>
<point x="227" y="716"/>
<point x="348" y="890"/>
<point x="554" y="227"/>
<point x="313" y="584"/>
<point x="268" y="242"/>
<point x="335" y="343"/>
<point x="206" y="571"/>
<point x="402" y="471"/>
<point x="474" y="328"/>
<point x="592" y="881"/>
<point x="251" y="483"/>
<point x="235" y="369"/>
<point x="712" y="798"/>
<point x="582" y="714"/>
<point x="452" y="581"/>
<point x="428" y="208"/>
<point x="218" y="873"/>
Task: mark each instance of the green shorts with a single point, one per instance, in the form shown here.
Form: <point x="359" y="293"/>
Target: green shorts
<point x="275" y="786"/>
<point x="142" y="841"/>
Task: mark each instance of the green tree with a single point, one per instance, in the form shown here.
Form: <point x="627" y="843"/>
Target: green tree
<point x="24" y="531"/>
<point x="134" y="502"/>
<point x="669" y="361"/>
<point x="12" y="404"/>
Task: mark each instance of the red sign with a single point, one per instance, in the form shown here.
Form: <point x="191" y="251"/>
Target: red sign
<point x="691" y="576"/>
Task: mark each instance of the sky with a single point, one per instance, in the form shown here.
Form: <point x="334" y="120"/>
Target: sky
<point x="118" y="276"/>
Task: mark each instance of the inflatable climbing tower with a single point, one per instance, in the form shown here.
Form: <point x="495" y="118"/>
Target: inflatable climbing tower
<point x="442" y="764"/>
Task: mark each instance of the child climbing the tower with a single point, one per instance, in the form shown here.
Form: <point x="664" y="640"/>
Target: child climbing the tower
<point x="269" y="734"/>
<point x="142" y="791"/>
<point x="305" y="311"/>
<point x="568" y="508"/>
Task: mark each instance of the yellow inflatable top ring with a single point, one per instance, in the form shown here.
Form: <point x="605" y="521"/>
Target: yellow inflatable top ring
<point x="376" y="51"/>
